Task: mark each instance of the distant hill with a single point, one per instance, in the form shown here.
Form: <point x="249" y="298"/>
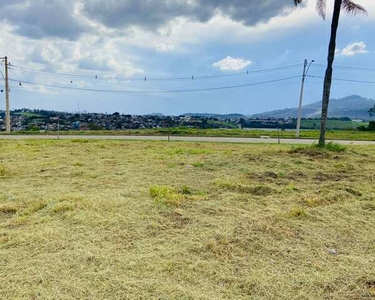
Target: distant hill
<point x="353" y="107"/>
<point x="218" y="116"/>
<point x="156" y="115"/>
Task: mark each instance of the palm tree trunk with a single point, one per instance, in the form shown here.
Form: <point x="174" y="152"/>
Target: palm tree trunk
<point x="328" y="76"/>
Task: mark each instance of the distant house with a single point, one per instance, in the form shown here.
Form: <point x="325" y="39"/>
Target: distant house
<point x="76" y="125"/>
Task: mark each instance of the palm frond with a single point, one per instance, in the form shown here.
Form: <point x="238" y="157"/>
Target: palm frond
<point x="352" y="8"/>
<point x="296" y="2"/>
<point x="321" y="7"/>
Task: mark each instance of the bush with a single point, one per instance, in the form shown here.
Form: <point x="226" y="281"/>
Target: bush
<point x="95" y="127"/>
<point x="370" y="127"/>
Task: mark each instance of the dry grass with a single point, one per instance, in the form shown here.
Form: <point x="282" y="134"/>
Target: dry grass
<point x="152" y="220"/>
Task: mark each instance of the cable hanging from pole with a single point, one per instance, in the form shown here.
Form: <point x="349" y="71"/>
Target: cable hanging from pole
<point x="178" y="78"/>
<point x="349" y="68"/>
<point x="344" y="79"/>
<point x="154" y="92"/>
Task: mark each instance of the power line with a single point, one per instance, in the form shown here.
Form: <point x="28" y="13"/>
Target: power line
<point x="179" y="78"/>
<point x="156" y="92"/>
<point x="353" y="68"/>
<point x="344" y="79"/>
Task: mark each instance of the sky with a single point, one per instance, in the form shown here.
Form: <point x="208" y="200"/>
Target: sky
<point x="156" y="56"/>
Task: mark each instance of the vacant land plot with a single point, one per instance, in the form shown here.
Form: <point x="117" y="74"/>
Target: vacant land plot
<point x="152" y="220"/>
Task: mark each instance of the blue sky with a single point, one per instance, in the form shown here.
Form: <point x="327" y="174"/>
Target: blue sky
<point x="135" y="39"/>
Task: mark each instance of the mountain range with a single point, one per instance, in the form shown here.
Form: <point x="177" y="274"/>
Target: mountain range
<point x="208" y="115"/>
<point x="353" y="107"/>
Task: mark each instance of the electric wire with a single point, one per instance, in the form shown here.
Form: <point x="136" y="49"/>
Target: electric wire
<point x="349" y="68"/>
<point x="156" y="92"/>
<point x="344" y="79"/>
<point x="145" y="78"/>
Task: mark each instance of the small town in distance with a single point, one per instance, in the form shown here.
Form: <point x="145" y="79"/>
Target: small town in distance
<point x="351" y="113"/>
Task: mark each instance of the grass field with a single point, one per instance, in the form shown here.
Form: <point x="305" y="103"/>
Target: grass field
<point x="305" y="134"/>
<point x="152" y="220"/>
<point x="333" y="124"/>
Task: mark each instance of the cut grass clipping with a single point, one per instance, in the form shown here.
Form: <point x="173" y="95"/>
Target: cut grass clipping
<point x="164" y="195"/>
<point x="319" y="151"/>
<point x="154" y="220"/>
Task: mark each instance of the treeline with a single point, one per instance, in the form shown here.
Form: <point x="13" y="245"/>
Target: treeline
<point x="370" y="127"/>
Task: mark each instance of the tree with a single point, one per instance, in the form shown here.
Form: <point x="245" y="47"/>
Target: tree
<point x="242" y="123"/>
<point x="372" y="111"/>
<point x="351" y="8"/>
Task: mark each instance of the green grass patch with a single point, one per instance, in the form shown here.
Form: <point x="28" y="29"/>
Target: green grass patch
<point x="333" y="147"/>
<point x="165" y="195"/>
<point x="318" y="151"/>
<point x="347" y="134"/>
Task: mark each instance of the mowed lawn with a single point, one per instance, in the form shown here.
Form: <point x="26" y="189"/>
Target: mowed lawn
<point x="154" y="220"/>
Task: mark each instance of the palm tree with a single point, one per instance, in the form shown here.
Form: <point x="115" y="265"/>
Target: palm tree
<point x="351" y="8"/>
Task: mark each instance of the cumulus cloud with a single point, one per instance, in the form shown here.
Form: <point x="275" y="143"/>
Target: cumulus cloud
<point x="99" y="61"/>
<point x="83" y="57"/>
<point x="44" y="18"/>
<point x="164" y="48"/>
<point x="46" y="53"/>
<point x="72" y="19"/>
<point x="232" y="64"/>
<point x="86" y="35"/>
<point x="152" y="14"/>
<point x="69" y="19"/>
<point x="353" y="49"/>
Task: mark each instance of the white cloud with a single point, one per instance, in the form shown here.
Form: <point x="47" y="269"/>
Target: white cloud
<point x="94" y="49"/>
<point x="232" y="64"/>
<point x="111" y="62"/>
<point x="353" y="49"/>
<point x="164" y="48"/>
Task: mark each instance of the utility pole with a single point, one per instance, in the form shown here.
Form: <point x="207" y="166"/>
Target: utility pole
<point x="7" y="96"/>
<point x="301" y="98"/>
<point x="301" y="95"/>
<point x="6" y="80"/>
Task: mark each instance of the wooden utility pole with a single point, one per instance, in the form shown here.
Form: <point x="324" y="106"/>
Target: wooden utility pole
<point x="58" y="128"/>
<point x="301" y="99"/>
<point x="7" y="114"/>
<point x="305" y="71"/>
